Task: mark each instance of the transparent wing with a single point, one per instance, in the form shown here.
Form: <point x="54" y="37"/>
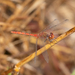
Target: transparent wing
<point x="53" y="25"/>
<point x="45" y="54"/>
<point x="46" y="57"/>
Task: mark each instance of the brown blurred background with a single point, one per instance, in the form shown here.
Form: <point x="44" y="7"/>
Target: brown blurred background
<point x="32" y="16"/>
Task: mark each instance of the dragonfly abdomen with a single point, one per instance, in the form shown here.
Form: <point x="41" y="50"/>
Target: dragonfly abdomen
<point x="35" y="35"/>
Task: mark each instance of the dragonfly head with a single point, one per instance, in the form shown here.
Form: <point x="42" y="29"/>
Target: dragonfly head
<point x="51" y="36"/>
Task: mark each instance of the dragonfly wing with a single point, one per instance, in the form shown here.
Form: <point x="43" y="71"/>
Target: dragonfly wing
<point x="46" y="57"/>
<point x="45" y="54"/>
<point x="53" y="25"/>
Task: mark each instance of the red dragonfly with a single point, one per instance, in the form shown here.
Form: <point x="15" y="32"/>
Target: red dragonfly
<point x="43" y="34"/>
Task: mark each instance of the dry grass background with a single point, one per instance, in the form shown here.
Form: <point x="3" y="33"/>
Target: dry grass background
<point x="32" y="16"/>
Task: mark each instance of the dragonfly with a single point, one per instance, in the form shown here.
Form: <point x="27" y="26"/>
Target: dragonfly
<point x="43" y="34"/>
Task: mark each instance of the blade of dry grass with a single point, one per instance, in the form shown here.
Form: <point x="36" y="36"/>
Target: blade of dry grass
<point x="30" y="18"/>
<point x="30" y="57"/>
<point x="17" y="11"/>
<point x="21" y="7"/>
<point x="64" y="68"/>
<point x="9" y="3"/>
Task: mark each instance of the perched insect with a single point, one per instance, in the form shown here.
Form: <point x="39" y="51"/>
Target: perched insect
<point x="44" y="35"/>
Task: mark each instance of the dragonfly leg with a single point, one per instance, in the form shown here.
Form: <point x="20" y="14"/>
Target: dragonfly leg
<point x="46" y="39"/>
